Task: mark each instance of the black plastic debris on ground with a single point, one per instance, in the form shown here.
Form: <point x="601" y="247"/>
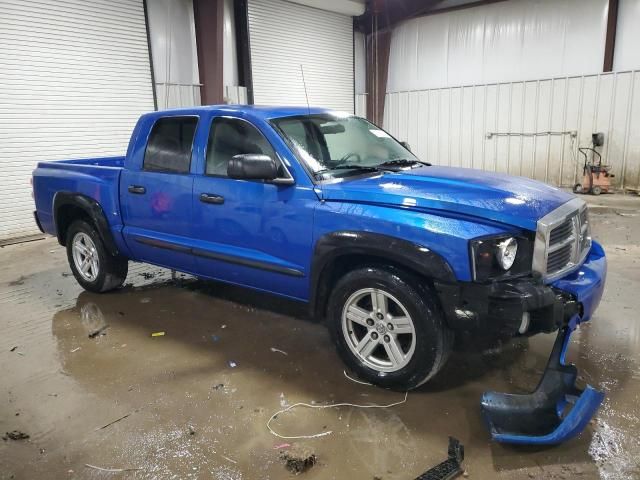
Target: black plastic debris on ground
<point x="451" y="467"/>
<point x="99" y="331"/>
<point x="15" y="435"/>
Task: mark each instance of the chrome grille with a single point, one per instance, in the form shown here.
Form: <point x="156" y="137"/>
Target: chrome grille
<point x="562" y="240"/>
<point x="561" y="232"/>
<point x="559" y="258"/>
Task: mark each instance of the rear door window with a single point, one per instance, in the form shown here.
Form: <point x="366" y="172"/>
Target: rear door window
<point x="170" y="144"/>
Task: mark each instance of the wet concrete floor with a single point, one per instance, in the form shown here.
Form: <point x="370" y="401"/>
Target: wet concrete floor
<point x="194" y="403"/>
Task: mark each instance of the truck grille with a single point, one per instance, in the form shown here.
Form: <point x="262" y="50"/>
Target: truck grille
<point x="562" y="240"/>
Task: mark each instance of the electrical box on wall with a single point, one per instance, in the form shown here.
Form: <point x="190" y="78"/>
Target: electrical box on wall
<point x="597" y="139"/>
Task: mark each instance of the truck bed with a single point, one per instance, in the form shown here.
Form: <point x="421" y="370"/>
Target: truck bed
<point x="96" y="178"/>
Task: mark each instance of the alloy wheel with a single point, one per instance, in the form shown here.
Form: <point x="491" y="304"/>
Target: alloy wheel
<point x="378" y="329"/>
<point x="85" y="256"/>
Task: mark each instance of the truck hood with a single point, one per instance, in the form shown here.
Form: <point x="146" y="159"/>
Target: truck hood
<point x="506" y="199"/>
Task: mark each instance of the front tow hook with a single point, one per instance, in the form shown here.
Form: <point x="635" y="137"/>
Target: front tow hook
<point x="542" y="417"/>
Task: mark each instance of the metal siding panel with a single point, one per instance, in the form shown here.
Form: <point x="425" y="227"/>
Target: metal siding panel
<point x="614" y="153"/>
<point x="284" y="36"/>
<point x="570" y="159"/>
<point x="516" y="120"/>
<point x="586" y="120"/>
<point x="491" y="124"/>
<point x="478" y="126"/>
<point x="452" y="125"/>
<point x="444" y="113"/>
<point x="558" y="123"/>
<point x="466" y="128"/>
<point x="388" y="101"/>
<point x="422" y="125"/>
<point x="75" y="78"/>
<point x="413" y="127"/>
<point x="402" y="117"/>
<point x="541" y="121"/>
<point x="432" y="127"/>
<point x="455" y="104"/>
<point x="632" y="169"/>
<point x="503" y="107"/>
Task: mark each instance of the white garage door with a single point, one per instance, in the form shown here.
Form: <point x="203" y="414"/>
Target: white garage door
<point x="74" y="77"/>
<point x="283" y="36"/>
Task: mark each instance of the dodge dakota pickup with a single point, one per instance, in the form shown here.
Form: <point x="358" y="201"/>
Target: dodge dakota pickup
<point x="397" y="255"/>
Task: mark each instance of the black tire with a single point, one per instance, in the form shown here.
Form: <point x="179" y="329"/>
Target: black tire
<point x="596" y="190"/>
<point x="433" y="339"/>
<point x="577" y="188"/>
<point x="112" y="270"/>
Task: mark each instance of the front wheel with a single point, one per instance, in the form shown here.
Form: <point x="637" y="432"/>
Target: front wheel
<point x="92" y="265"/>
<point x="387" y="328"/>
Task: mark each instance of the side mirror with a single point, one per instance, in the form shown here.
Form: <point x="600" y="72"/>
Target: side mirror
<point x="252" y="166"/>
<point x="406" y="145"/>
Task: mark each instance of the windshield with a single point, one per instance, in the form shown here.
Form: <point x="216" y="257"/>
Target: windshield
<point x="339" y="146"/>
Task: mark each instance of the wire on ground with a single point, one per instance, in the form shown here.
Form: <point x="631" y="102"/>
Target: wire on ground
<point x="332" y="405"/>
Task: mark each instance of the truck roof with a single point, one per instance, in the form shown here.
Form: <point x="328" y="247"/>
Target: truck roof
<point x="261" y="112"/>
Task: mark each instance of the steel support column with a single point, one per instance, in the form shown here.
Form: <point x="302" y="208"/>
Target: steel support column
<point x="209" y="18"/>
<point x="610" y="42"/>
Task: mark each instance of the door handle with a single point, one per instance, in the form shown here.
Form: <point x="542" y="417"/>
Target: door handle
<point x="210" y="198"/>
<point x="137" y="189"/>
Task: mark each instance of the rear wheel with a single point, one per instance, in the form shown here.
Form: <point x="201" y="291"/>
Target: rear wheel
<point x="388" y="329"/>
<point x="596" y="190"/>
<point x="94" y="268"/>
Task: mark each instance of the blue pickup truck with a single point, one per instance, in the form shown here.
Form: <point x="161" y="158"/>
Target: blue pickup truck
<point x="397" y="256"/>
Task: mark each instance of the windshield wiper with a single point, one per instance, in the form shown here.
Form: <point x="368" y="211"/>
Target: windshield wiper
<point x="361" y="168"/>
<point x="402" y="162"/>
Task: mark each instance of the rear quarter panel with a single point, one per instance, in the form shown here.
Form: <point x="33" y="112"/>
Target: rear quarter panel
<point x="95" y="178"/>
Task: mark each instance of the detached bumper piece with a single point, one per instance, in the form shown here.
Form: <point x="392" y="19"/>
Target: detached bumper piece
<point x="450" y="468"/>
<point x="554" y="413"/>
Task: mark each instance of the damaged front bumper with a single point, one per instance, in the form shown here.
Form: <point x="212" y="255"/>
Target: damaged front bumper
<point x="557" y="410"/>
<point x="541" y="417"/>
<point x="525" y="305"/>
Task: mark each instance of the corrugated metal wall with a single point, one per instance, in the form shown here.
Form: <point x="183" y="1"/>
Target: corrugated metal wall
<point x="75" y="76"/>
<point x="449" y="126"/>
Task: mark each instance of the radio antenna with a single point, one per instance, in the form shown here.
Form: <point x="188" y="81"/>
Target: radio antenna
<point x="305" y="90"/>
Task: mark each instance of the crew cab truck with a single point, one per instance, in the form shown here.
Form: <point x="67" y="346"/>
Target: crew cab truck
<point x="397" y="255"/>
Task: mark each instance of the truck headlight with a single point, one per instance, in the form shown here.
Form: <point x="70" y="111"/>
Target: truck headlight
<point x="501" y="256"/>
<point x="506" y="252"/>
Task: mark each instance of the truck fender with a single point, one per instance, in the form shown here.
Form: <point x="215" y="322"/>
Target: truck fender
<point x="396" y="251"/>
<point x="89" y="206"/>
